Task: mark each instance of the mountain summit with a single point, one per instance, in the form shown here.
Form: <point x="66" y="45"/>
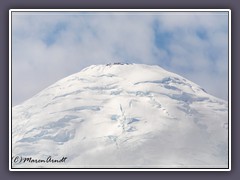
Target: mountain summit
<point x="122" y="115"/>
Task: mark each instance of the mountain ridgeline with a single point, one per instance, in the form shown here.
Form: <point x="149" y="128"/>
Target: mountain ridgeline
<point x="122" y="115"/>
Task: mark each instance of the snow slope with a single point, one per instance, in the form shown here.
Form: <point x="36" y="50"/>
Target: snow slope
<point x="122" y="115"/>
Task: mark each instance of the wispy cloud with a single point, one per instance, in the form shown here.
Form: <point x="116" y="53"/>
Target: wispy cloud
<point x="48" y="47"/>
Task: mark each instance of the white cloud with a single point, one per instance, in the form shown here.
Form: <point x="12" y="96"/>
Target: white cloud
<point x="78" y="41"/>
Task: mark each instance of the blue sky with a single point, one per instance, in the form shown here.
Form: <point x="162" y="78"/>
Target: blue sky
<point x="50" y="46"/>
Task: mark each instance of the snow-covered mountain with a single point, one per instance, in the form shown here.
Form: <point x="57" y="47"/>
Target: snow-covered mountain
<point x="122" y="116"/>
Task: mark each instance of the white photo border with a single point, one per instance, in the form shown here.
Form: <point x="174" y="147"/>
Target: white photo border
<point x="119" y="10"/>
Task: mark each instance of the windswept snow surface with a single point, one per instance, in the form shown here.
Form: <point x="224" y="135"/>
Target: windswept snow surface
<point x="122" y="116"/>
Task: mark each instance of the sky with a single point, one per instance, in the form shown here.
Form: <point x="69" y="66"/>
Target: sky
<point x="48" y="46"/>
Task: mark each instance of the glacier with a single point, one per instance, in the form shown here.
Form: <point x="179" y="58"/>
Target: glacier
<point x="122" y="116"/>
